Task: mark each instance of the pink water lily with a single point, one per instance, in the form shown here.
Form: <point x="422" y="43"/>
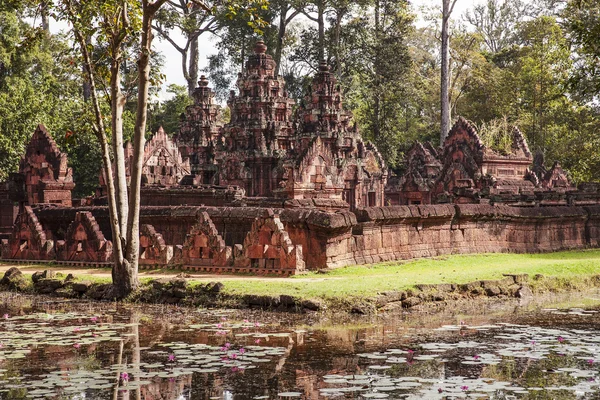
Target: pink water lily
<point x="464" y="388"/>
<point x="561" y="339"/>
<point x="5" y="316"/>
<point x="256" y="324"/>
<point x="124" y="376"/>
<point x="242" y="350"/>
<point x="94" y="319"/>
<point x="257" y="341"/>
<point x="476" y="357"/>
<point x="171" y="357"/>
<point x="590" y="361"/>
<point x="223" y="318"/>
<point x="77" y="345"/>
<point x="219" y="326"/>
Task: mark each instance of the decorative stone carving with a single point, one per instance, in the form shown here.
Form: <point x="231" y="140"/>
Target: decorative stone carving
<point x="268" y="247"/>
<point x="422" y="170"/>
<point x="153" y="249"/>
<point x="263" y="147"/>
<point x="162" y="164"/>
<point x="204" y="246"/>
<point x="47" y="177"/>
<point x="84" y="241"/>
<point x="557" y="179"/>
<point x="28" y="240"/>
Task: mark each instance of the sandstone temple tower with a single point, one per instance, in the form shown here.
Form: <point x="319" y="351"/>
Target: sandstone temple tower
<point x="268" y="150"/>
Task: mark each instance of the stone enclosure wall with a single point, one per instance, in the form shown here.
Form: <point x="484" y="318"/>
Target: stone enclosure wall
<point x="287" y="241"/>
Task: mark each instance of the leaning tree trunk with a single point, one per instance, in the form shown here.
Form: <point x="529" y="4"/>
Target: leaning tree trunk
<point x="106" y="163"/>
<point x="126" y="277"/>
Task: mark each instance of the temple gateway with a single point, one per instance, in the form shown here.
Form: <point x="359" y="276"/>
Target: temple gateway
<point x="281" y="189"/>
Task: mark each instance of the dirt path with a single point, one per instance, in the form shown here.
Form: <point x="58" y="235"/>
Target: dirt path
<point x="157" y="273"/>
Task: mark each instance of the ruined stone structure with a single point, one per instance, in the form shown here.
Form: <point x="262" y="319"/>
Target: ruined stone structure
<point x="204" y="248"/>
<point x="153" y="249"/>
<point x="269" y="153"/>
<point x="268" y="246"/>
<point x="278" y="192"/>
<point x="84" y="242"/>
<point x="28" y="240"/>
<point x="414" y="186"/>
<point x="44" y="171"/>
<point x="465" y="171"/>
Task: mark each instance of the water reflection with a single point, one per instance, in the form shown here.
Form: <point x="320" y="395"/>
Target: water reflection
<point x="82" y="351"/>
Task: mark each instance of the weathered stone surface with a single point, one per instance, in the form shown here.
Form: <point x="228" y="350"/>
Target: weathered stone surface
<point x="263" y="301"/>
<point x="204" y="246"/>
<point x="46" y="175"/>
<point x="153" y="249"/>
<point x="214" y="287"/>
<point x="84" y="241"/>
<point x="81" y="287"/>
<point x="312" y="305"/>
<point x="268" y="247"/>
<point x="28" y="239"/>
<point x="524" y="292"/>
<point x="48" y="285"/>
<point x="411" y="302"/>
<point x="46" y="274"/>
<point x="13" y="278"/>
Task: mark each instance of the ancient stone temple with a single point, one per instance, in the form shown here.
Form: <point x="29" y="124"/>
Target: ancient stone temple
<point x="414" y="186"/>
<point x="280" y="192"/>
<point x="44" y="171"/>
<point x="470" y="167"/>
<point x="199" y="133"/>
<point x="269" y="152"/>
<point x="163" y="164"/>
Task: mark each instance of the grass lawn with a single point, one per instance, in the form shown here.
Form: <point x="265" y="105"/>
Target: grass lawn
<point x="365" y="281"/>
<point x="571" y="267"/>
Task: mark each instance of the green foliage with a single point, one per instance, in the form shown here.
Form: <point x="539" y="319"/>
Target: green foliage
<point x="497" y="135"/>
<point x="582" y="19"/>
<point x="168" y="113"/>
<point x="38" y="79"/>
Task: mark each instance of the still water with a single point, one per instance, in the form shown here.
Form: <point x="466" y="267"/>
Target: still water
<point x="74" y="350"/>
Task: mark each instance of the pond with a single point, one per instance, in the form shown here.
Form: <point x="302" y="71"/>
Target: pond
<point x="74" y="350"/>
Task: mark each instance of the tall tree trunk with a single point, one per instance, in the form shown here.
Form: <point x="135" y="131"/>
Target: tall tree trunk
<point x="118" y="101"/>
<point x="280" y="36"/>
<point x="338" y="29"/>
<point x="447" y="7"/>
<point x="45" y="17"/>
<point x="321" y="23"/>
<point x="87" y="90"/>
<point x="106" y="163"/>
<point x="377" y="79"/>
<point x="193" y="65"/>
<point x="127" y="276"/>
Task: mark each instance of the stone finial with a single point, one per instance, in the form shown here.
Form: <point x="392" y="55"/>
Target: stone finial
<point x="203" y="82"/>
<point x="260" y="47"/>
